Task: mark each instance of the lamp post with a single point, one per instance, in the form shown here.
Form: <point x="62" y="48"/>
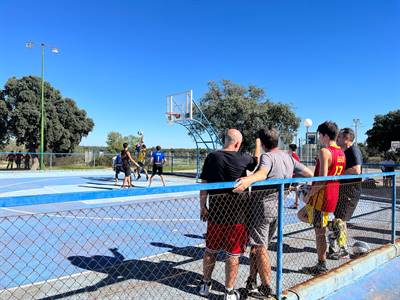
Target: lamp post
<point x="42" y="111"/>
<point x="356" y="124"/>
<point x="307" y="123"/>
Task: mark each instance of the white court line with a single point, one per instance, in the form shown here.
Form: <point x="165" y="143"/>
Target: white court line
<point x="19" y="211"/>
<point x="31" y="181"/>
<point x="99" y="218"/>
<point x="124" y="219"/>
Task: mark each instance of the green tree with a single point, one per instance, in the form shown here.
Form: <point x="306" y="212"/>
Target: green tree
<point x="115" y="140"/>
<point x="230" y="105"/>
<point x="386" y="128"/>
<point x="65" y="123"/>
<point x="3" y="121"/>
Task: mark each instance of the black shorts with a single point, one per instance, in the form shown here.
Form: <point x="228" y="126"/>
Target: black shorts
<point x="141" y="165"/>
<point x="349" y="195"/>
<point x="127" y="171"/>
<point x="157" y="169"/>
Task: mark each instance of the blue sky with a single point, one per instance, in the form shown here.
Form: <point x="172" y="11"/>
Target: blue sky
<point x="335" y="60"/>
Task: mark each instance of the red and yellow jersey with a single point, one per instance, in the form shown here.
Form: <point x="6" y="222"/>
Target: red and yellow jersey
<point x="326" y="198"/>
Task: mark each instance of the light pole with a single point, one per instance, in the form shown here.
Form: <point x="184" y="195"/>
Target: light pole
<point x="356" y="122"/>
<point x="307" y="123"/>
<point x="42" y="112"/>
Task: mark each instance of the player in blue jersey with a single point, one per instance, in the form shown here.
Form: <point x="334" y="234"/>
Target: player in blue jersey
<point x="158" y="160"/>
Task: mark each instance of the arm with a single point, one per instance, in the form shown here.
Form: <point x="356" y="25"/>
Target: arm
<point x="203" y="204"/>
<point x="257" y="151"/>
<point x="324" y="158"/>
<point x="355" y="170"/>
<point x="245" y="182"/>
<point x="306" y="172"/>
<point x="131" y="159"/>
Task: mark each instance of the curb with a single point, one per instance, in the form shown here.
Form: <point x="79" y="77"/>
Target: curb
<point x="326" y="284"/>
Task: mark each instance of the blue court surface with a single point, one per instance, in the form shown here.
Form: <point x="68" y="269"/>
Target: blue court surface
<point x="382" y="283"/>
<point x="39" y="241"/>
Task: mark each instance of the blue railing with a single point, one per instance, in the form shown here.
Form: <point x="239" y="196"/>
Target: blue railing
<point x="66" y="197"/>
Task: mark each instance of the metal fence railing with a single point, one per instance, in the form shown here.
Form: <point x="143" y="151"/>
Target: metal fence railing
<point x="175" y="164"/>
<point x="153" y="247"/>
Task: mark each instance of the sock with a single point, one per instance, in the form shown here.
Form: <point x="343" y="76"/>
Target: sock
<point x="229" y="289"/>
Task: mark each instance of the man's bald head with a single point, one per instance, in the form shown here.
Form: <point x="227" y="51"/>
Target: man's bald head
<point x="233" y="139"/>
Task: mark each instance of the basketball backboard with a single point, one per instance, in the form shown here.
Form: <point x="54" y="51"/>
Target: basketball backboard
<point x="180" y="106"/>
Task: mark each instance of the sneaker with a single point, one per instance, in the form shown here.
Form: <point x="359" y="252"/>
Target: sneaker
<point x="205" y="288"/>
<point x="264" y="291"/>
<point x="332" y="237"/>
<point x="232" y="295"/>
<point x="342" y="253"/>
<point x="319" y="268"/>
<point x="251" y="285"/>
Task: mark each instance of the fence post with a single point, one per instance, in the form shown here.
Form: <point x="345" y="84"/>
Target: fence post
<point x="279" y="257"/>
<point x="51" y="160"/>
<point x="393" y="208"/>
<point x="172" y="163"/>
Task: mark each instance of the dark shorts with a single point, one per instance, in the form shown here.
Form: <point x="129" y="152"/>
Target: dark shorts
<point x="118" y="169"/>
<point x="141" y="165"/>
<point x="157" y="169"/>
<point x="349" y="195"/>
<point x="231" y="238"/>
<point x="127" y="171"/>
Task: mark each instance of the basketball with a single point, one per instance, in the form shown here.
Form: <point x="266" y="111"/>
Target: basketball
<point x="360" y="248"/>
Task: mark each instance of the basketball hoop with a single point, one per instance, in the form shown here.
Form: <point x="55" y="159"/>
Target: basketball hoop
<point x="172" y="117"/>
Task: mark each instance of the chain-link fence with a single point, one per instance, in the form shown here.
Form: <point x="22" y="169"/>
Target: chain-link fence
<point x="175" y="164"/>
<point x="159" y="248"/>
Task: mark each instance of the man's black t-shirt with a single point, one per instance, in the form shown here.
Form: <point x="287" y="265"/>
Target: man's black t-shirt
<point x="353" y="158"/>
<point x="226" y="207"/>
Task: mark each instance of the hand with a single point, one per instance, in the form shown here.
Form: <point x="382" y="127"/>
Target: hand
<point x="242" y="184"/>
<point x="204" y="214"/>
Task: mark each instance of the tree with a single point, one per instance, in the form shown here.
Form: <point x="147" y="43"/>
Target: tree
<point x="65" y="123"/>
<point x="386" y="128"/>
<point x="3" y="121"/>
<point x="231" y="105"/>
<point x="116" y="139"/>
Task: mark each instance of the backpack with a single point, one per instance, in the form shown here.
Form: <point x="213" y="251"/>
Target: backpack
<point x="118" y="160"/>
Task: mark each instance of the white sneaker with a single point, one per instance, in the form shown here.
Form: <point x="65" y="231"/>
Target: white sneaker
<point x="205" y="288"/>
<point x="232" y="295"/>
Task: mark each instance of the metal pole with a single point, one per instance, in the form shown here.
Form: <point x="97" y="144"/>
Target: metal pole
<point x="42" y="114"/>
<point x="279" y="263"/>
<point x="393" y="208"/>
<point x="172" y="163"/>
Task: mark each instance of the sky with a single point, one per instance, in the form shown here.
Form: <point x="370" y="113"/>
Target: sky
<point x="332" y="60"/>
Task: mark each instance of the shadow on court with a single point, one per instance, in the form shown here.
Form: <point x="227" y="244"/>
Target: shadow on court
<point x="164" y="272"/>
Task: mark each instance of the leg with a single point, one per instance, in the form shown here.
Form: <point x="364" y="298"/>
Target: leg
<point x="302" y="214"/>
<point x="320" y="239"/>
<point x="263" y="264"/>
<point x="253" y="263"/>
<point x="208" y="265"/>
<point x="151" y="178"/>
<point x="162" y="180"/>
<point x="231" y="270"/>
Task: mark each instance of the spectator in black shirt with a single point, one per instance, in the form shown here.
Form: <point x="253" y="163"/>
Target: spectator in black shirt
<point x="350" y="189"/>
<point x="225" y="213"/>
